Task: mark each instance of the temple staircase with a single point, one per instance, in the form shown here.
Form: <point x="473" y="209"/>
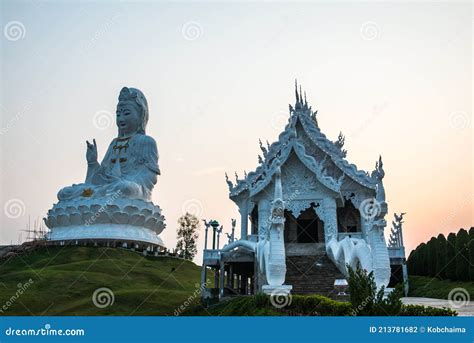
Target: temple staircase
<point x="312" y="274"/>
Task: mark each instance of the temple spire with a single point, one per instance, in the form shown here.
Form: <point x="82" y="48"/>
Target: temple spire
<point x="299" y="100"/>
<point x="296" y="91"/>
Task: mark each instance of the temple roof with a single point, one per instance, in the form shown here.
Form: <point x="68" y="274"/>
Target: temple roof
<point x="275" y="155"/>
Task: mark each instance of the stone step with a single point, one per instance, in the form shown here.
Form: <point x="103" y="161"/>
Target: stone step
<point x="312" y="274"/>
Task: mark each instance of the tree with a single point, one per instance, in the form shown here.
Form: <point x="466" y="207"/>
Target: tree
<point x="187" y="236"/>
<point x="441" y="256"/>
<point x="421" y="260"/>
<point x="431" y="256"/>
<point x="411" y="263"/>
<point x="462" y="256"/>
<point x="451" y="257"/>
<point x="471" y="254"/>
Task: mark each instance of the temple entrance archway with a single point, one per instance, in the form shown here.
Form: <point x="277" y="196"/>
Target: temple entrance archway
<point x="306" y="228"/>
<point x="348" y="219"/>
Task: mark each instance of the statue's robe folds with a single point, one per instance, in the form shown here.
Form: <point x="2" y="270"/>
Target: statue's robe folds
<point x="129" y="170"/>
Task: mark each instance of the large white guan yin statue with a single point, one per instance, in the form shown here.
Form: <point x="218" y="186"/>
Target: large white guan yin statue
<point x="114" y="202"/>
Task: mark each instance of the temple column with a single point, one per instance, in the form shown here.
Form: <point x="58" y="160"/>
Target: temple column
<point x="205" y="237"/>
<point x="204" y="275"/>
<point x="255" y="277"/>
<point x="221" y="279"/>
<point x="327" y="212"/>
<point x="244" y="220"/>
<point x="216" y="278"/>
<point x="243" y="281"/>
<point x="252" y="285"/>
<point x="230" y="277"/>
<point x="264" y="207"/>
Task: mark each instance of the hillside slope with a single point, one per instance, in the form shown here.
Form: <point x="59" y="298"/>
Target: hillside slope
<point x="64" y="279"/>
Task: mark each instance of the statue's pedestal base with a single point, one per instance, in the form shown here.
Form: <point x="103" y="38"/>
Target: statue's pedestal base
<point x="277" y="290"/>
<point x="121" y="221"/>
<point x="106" y="232"/>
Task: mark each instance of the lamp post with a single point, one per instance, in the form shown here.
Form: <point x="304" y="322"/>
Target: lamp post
<point x="219" y="231"/>
<point x="206" y="224"/>
<point x="215" y="225"/>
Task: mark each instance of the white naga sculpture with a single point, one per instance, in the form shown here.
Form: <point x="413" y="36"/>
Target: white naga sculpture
<point x="270" y="249"/>
<point x="114" y="202"/>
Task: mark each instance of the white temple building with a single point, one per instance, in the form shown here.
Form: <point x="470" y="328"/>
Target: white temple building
<point x="306" y="213"/>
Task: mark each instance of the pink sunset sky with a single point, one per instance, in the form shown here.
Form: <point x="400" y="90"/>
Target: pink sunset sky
<point x="395" y="79"/>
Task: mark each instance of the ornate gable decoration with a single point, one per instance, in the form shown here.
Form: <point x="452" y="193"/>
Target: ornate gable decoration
<point x="275" y="155"/>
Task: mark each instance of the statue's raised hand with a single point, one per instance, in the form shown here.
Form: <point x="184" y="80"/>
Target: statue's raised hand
<point x="91" y="154"/>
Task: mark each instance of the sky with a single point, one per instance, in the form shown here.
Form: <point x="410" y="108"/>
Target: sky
<point x="395" y="78"/>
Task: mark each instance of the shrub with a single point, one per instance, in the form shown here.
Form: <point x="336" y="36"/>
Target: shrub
<point x="261" y="300"/>
<point x="362" y="290"/>
<point x="317" y="305"/>
<point x="419" y="310"/>
<point x="366" y="300"/>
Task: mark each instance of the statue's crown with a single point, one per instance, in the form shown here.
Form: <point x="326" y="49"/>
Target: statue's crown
<point x="130" y="94"/>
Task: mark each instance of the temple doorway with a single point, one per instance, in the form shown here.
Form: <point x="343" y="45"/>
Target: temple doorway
<point x="348" y="219"/>
<point x="307" y="228"/>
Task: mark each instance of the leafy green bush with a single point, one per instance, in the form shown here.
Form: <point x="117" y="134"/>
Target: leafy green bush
<point x="366" y="300"/>
<point x="261" y="305"/>
<point x="419" y="310"/>
<point x="317" y="305"/>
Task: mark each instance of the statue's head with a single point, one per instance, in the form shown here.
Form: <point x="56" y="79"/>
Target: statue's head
<point x="132" y="112"/>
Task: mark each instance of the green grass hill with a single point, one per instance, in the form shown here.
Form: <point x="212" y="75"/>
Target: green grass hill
<point x="64" y="279"/>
